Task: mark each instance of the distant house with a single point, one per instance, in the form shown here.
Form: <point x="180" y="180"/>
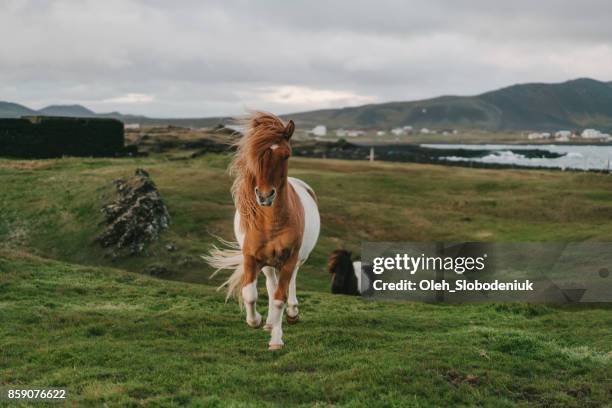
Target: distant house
<point x="425" y="131"/>
<point x="381" y="133"/>
<point x="536" y="135"/>
<point x="131" y="126"/>
<point x="341" y="132"/>
<point x="398" y="131"/>
<point x="563" y="133"/>
<point x="319" y="130"/>
<point x="594" y="134"/>
<point x="355" y="133"/>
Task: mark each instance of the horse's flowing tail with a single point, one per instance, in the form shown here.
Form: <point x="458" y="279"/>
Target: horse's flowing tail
<point x="229" y="258"/>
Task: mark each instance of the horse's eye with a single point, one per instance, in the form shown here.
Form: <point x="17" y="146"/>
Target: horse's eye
<point x="286" y="157"/>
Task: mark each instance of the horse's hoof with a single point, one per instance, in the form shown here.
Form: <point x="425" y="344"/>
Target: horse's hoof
<point x="267" y="327"/>
<point x="273" y="347"/>
<point x="293" y="320"/>
<point x="255" y="323"/>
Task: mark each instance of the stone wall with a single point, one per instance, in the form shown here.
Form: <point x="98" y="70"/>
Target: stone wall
<point x="46" y="137"/>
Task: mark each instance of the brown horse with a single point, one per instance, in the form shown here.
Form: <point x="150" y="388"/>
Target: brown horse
<point x="276" y="223"/>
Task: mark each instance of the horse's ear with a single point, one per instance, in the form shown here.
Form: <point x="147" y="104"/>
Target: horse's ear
<point x="289" y="129"/>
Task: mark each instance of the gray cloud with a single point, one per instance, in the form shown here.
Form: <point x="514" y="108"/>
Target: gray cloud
<point x="197" y="58"/>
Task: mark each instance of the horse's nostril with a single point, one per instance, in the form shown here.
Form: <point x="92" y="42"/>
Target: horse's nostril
<point x="264" y="198"/>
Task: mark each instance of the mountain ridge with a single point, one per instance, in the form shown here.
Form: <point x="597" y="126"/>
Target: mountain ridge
<point x="573" y="104"/>
<point x="577" y="103"/>
<point x="78" y="111"/>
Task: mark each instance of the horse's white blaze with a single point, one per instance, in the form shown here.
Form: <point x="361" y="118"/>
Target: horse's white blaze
<point x="274" y="147"/>
<point x="312" y="227"/>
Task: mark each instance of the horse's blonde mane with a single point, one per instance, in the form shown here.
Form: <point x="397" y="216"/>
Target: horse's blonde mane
<point x="261" y="129"/>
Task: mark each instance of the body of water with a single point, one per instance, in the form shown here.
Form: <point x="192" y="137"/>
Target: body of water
<point x="583" y="157"/>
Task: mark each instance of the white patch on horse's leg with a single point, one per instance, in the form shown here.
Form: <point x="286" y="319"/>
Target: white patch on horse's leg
<point x="276" y="339"/>
<point x="249" y="295"/>
<point x="271" y="284"/>
<point x="292" y="302"/>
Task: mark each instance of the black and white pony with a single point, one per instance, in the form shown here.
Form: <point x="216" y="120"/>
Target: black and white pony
<point x="347" y="277"/>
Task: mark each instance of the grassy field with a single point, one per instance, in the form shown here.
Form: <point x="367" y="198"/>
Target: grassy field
<point x="51" y="208"/>
<point x="116" y="337"/>
<point x="72" y="317"/>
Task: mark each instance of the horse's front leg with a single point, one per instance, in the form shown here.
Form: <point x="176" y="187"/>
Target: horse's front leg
<point x="271" y="284"/>
<point x="249" y="292"/>
<point x="292" y="301"/>
<point x="280" y="296"/>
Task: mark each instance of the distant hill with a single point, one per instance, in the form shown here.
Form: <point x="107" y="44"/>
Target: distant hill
<point x="76" y="111"/>
<point x="14" y="110"/>
<point x="574" y="104"/>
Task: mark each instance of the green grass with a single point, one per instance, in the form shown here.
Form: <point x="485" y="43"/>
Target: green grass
<point x="72" y="317"/>
<point x="51" y="208"/>
<point x="127" y="340"/>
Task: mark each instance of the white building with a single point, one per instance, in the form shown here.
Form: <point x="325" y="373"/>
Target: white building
<point x="381" y="133"/>
<point x="355" y="133"/>
<point x="592" y="134"/>
<point x="131" y="126"/>
<point x="341" y="132"/>
<point x="319" y="130"/>
<point x="563" y="134"/>
<point x="425" y="131"/>
<point x="562" y="139"/>
<point x="398" y="131"/>
<point x="536" y="135"/>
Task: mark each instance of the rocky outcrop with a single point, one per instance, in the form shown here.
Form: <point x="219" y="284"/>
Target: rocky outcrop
<point x="135" y="217"/>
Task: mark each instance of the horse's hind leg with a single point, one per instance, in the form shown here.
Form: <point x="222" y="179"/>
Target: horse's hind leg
<point x="249" y="293"/>
<point x="292" y="302"/>
<point x="271" y="284"/>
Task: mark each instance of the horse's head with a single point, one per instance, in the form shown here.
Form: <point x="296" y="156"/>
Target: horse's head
<point x="271" y="174"/>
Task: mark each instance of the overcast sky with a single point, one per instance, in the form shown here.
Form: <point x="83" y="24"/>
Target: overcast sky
<point x="205" y="58"/>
